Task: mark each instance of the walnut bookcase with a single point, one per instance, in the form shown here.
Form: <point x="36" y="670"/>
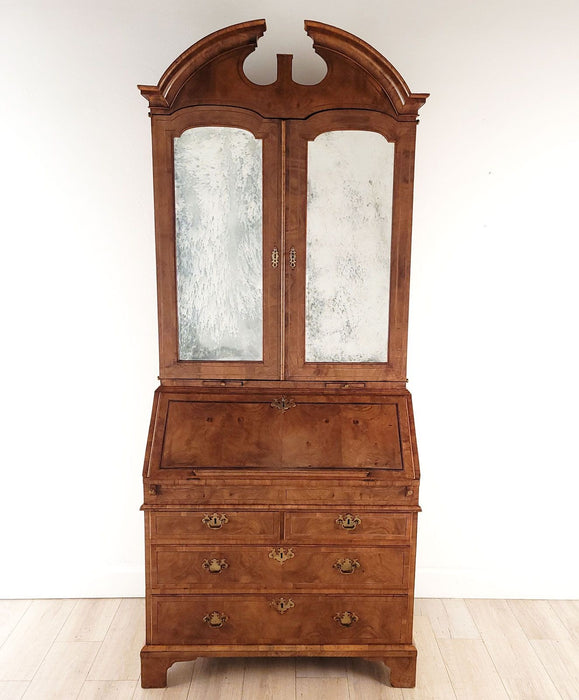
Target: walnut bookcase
<point x="281" y="473"/>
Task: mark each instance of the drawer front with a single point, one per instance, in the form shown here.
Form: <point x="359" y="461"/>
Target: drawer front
<point x="350" y="568"/>
<point x="216" y="526"/>
<point x="348" y="526"/>
<point x="255" y="619"/>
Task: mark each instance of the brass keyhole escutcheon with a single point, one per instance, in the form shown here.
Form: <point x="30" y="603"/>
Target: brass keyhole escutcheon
<point x="281" y="555"/>
<point x="215" y="566"/>
<point x="346" y="618"/>
<point x="283" y="404"/>
<point x="275" y="257"/>
<point x="347" y="565"/>
<point x="293" y="258"/>
<point x="215" y="521"/>
<point x="215" y="619"/>
<point x="282" y="605"/>
<point x="348" y="521"/>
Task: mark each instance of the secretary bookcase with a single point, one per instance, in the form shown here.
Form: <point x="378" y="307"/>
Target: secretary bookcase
<point x="281" y="472"/>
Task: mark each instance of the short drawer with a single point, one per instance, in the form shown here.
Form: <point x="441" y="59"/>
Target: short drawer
<point x="215" y="526"/>
<point x="347" y="526"/>
<point x="302" y="567"/>
<point x="256" y="619"/>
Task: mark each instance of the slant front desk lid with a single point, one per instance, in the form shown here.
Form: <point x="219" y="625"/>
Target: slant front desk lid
<point x="265" y="431"/>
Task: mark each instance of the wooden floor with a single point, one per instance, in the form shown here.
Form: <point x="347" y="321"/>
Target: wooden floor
<point x="475" y="649"/>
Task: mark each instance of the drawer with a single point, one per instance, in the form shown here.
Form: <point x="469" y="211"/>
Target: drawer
<point x="232" y="568"/>
<point x="216" y="526"/>
<point x="347" y="526"/>
<point x="255" y="619"/>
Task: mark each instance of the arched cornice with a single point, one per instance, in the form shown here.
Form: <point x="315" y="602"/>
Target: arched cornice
<point x="327" y="38"/>
<point x="235" y="37"/>
<point x="211" y="73"/>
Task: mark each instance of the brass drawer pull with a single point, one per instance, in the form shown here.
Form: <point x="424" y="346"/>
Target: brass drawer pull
<point x="348" y="521"/>
<point x="347" y="566"/>
<point x="215" y="521"/>
<point x="215" y="566"/>
<point x="282" y="605"/>
<point x="281" y="555"/>
<point x="215" y="619"/>
<point x="346" y="618"/>
<point x="283" y="404"/>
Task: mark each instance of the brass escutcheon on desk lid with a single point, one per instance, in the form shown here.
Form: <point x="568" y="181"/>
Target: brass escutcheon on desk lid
<point x="282" y="605"/>
<point x="215" y="566"/>
<point x="346" y="618"/>
<point x="281" y="555"/>
<point x="347" y="565"/>
<point x="215" y="619"/>
<point x="348" y="521"/>
<point x="215" y="521"/>
<point x="283" y="404"/>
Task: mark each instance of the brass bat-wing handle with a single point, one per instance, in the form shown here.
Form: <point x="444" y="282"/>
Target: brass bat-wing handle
<point x="346" y="618"/>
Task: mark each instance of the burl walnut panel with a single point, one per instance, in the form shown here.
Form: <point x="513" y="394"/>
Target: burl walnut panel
<point x="255" y="434"/>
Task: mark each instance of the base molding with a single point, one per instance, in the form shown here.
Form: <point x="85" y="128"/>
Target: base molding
<point x="400" y="658"/>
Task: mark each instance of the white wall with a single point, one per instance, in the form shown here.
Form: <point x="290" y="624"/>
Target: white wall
<point x="493" y="352"/>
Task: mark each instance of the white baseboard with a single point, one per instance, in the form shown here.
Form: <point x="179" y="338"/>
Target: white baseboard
<point x="485" y="583"/>
<point x="113" y="582"/>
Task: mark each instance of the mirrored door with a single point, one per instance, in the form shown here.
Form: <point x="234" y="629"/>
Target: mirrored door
<point x="345" y="232"/>
<point x="221" y="171"/>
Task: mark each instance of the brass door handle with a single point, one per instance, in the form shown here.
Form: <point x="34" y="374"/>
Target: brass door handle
<point x="215" y="521"/>
<point x="346" y="618"/>
<point x="282" y="605"/>
<point x="347" y="565"/>
<point x="281" y="555"/>
<point x="215" y="619"/>
<point x="215" y="566"/>
<point x="348" y="521"/>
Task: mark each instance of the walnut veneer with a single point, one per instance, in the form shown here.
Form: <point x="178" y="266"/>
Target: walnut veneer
<point x="280" y="495"/>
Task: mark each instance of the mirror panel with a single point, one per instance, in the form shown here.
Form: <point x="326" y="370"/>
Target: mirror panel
<point x="348" y="241"/>
<point x="218" y="223"/>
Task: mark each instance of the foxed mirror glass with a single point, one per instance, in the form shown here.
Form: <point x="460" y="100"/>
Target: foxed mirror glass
<point x="218" y="228"/>
<point x="348" y="241"/>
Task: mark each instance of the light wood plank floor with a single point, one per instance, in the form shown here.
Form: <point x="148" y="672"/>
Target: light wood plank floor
<point x="467" y="650"/>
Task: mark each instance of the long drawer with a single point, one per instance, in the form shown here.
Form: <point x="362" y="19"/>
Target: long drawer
<point x="227" y="567"/>
<point x="279" y="618"/>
